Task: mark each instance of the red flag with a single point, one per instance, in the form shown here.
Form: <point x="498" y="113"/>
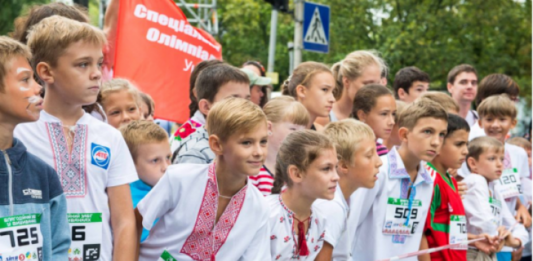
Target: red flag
<point x="156" y="48"/>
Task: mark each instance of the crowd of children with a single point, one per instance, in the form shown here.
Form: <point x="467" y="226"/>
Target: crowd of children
<point x="335" y="169"/>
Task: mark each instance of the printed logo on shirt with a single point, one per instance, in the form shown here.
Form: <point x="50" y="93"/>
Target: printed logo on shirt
<point x="34" y="193"/>
<point x="91" y="252"/>
<point x="100" y="156"/>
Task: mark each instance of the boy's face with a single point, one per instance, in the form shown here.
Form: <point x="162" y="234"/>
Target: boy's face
<point x="464" y="89"/>
<point x="320" y="178"/>
<point x="244" y="152"/>
<point x="454" y="150"/>
<point x="489" y="164"/>
<point x="20" y="101"/>
<point x="232" y="89"/>
<point x="365" y="165"/>
<point x="497" y="126"/>
<point x="152" y="160"/>
<point x="416" y="90"/>
<point x="425" y="139"/>
<point x="121" y="108"/>
<point x="77" y="75"/>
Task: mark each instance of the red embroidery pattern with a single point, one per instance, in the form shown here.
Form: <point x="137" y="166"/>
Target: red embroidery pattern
<point x="507" y="161"/>
<point x="205" y="241"/>
<point x="71" y="169"/>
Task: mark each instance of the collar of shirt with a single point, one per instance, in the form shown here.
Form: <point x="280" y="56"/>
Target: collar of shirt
<point x="398" y="171"/>
<point x="198" y="117"/>
<point x="46" y="117"/>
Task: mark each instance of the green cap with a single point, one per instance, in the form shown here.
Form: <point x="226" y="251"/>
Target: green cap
<point x="256" y="79"/>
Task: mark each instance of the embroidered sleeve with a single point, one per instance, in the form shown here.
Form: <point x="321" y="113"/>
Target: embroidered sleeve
<point x="159" y="201"/>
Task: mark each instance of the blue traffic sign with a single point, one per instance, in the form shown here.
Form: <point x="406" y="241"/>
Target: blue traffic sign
<point x="316" y="27"/>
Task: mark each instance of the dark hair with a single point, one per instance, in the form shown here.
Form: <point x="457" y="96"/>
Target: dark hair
<point x="257" y="65"/>
<point x="460" y="69"/>
<point x="455" y="123"/>
<point x="405" y="78"/>
<point x="366" y="98"/>
<point x="193" y="106"/>
<point x="39" y="12"/>
<point x="147" y="99"/>
<point x="495" y="84"/>
<point x="213" y="77"/>
<point x="309" y="144"/>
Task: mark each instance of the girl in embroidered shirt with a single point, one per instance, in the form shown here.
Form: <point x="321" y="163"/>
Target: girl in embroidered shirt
<point x="297" y="228"/>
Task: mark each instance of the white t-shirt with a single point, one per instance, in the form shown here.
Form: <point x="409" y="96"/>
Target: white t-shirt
<point x="471" y="117"/>
<point x="185" y="201"/>
<point x="99" y="159"/>
<point x="336" y="212"/>
<point x="388" y="226"/>
<point x="283" y="240"/>
<point x="476" y="131"/>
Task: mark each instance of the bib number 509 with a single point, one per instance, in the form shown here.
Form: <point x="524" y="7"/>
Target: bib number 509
<point x="22" y="236"/>
<point x="404" y="212"/>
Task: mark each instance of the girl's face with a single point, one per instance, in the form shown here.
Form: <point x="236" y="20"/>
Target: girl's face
<point x="121" y="107"/>
<point x="381" y="117"/>
<point x="318" y="97"/>
<point x="320" y="179"/>
<point x="280" y="131"/>
<point x="371" y="75"/>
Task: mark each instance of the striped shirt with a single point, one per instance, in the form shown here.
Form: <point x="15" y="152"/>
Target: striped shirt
<point x="382" y="150"/>
<point x="264" y="181"/>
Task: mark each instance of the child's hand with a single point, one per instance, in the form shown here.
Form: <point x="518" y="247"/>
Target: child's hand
<point x="487" y="246"/>
<point x="512" y="241"/>
<point x="461" y="187"/>
<point x="522" y="216"/>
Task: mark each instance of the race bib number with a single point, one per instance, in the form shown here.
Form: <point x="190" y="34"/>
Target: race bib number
<point x="458" y="232"/>
<point x="86" y="233"/>
<point x="21" y="238"/>
<point x="396" y="216"/>
<point x="496" y="207"/>
<point x="509" y="183"/>
<point x="166" y="256"/>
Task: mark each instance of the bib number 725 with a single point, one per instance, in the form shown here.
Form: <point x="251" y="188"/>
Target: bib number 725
<point x="22" y="236"/>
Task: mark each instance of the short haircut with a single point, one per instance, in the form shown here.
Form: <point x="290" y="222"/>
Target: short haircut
<point x="116" y="85"/>
<point x="480" y="145"/>
<point x="405" y="78"/>
<point x="147" y="99"/>
<point x="141" y="132"/>
<point x="10" y="49"/>
<point x="520" y="142"/>
<point x="367" y="97"/>
<point x="302" y="75"/>
<point x="193" y="106"/>
<point x="423" y="108"/>
<point x="346" y="135"/>
<point x="455" y="123"/>
<point x="443" y="99"/>
<point x="39" y="12"/>
<point x="286" y="108"/>
<point x="213" y="77"/>
<point x="497" y="105"/>
<point x="460" y="69"/>
<point x="49" y="38"/>
<point x="234" y="115"/>
<point x="400" y="105"/>
<point x="495" y="84"/>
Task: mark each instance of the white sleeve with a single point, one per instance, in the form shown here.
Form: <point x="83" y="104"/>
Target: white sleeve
<point x="335" y="219"/>
<point x="508" y="221"/>
<point x="157" y="202"/>
<point x="463" y="171"/>
<point x="477" y="206"/>
<point x="367" y="197"/>
<point x="121" y="169"/>
<point x="259" y="248"/>
<point x="523" y="164"/>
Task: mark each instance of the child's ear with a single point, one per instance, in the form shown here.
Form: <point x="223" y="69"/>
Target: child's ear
<point x="342" y="167"/>
<point x="401" y="93"/>
<point x="471" y="163"/>
<point x="44" y="71"/>
<point x="204" y="106"/>
<point x="513" y="123"/>
<point x="345" y="82"/>
<point x="301" y="91"/>
<point x="449" y="87"/>
<point x="215" y="144"/>
<point x="295" y="174"/>
<point x="269" y="128"/>
<point x="361" y="115"/>
<point x="402" y="134"/>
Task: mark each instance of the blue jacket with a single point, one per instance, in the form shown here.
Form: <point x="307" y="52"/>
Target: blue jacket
<point x="30" y="186"/>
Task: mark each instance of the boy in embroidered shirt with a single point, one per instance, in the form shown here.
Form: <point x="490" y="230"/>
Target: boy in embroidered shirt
<point x="215" y="83"/>
<point x="357" y="168"/>
<point x="90" y="157"/>
<point x="210" y="211"/>
<point x="148" y="145"/>
<point x="485" y="210"/>
<point x="394" y="211"/>
<point x="30" y="185"/>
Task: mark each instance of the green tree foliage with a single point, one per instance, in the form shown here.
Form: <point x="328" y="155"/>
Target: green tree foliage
<point x="434" y="35"/>
<point x="11" y="9"/>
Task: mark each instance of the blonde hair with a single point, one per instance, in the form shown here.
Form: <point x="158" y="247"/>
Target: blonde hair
<point x="422" y="108"/>
<point x="346" y="135"/>
<point x="286" y="108"/>
<point x="480" y="145"/>
<point x="234" y="115"/>
<point x="49" y="38"/>
<point x="400" y="105"/>
<point x="443" y="99"/>
<point x="10" y="49"/>
<point x="497" y="105"/>
<point x="302" y="75"/>
<point x="141" y="132"/>
<point x="116" y="85"/>
<point x="300" y="149"/>
<point x="352" y="67"/>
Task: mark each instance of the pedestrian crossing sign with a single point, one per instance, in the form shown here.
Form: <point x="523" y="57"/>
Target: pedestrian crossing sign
<point x="316" y="27"/>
